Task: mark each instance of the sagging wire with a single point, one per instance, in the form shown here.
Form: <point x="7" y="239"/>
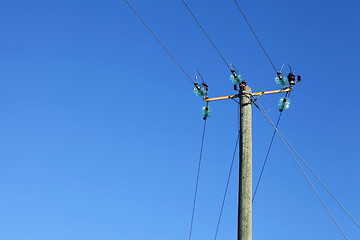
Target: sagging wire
<point x="258" y="105"/>
<point x="159" y="41"/>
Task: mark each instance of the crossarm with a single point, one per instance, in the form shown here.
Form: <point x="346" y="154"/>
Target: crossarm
<point x="287" y="89"/>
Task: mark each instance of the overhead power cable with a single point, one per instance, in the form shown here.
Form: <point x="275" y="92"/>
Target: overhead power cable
<point x="159" y="41"/>
<point x="227" y="186"/>
<point x="258" y="40"/>
<point x="207" y="35"/>
<point x="322" y="183"/>
<point x="267" y="154"/>
<point x="258" y="105"/>
<point x="197" y="180"/>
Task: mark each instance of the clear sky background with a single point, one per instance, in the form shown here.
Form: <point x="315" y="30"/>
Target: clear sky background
<point x="100" y="130"/>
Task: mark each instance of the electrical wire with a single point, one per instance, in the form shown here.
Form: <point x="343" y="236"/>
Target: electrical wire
<point x="192" y="14"/>
<point x="285" y="64"/>
<point x="258" y="105"/>
<point x="197" y="180"/>
<point x="227" y="185"/>
<point x="196" y="73"/>
<point x="321" y="182"/>
<point x="267" y="154"/>
<point x="159" y="41"/>
<point x="258" y="40"/>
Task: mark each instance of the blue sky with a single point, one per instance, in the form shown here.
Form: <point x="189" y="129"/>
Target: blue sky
<point x="100" y="130"/>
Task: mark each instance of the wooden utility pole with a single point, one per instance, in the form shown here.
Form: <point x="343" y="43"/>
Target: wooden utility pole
<point x="245" y="156"/>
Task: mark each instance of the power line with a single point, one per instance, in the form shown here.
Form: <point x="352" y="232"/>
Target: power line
<point x="267" y="154"/>
<point x="258" y="40"/>
<point x="159" y="41"/>
<point x="227" y="185"/>
<point x="197" y="180"/>
<point x="258" y="105"/>
<point x="321" y="182"/>
<point x="192" y="14"/>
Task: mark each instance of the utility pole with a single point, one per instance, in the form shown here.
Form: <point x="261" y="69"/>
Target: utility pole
<point x="245" y="166"/>
<point x="245" y="156"/>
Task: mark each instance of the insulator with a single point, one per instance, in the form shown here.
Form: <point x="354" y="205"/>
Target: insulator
<point x="281" y="79"/>
<point x="200" y="90"/>
<point x="206" y="111"/>
<point x="238" y="79"/>
<point x="284" y="103"/>
<point x="291" y="79"/>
